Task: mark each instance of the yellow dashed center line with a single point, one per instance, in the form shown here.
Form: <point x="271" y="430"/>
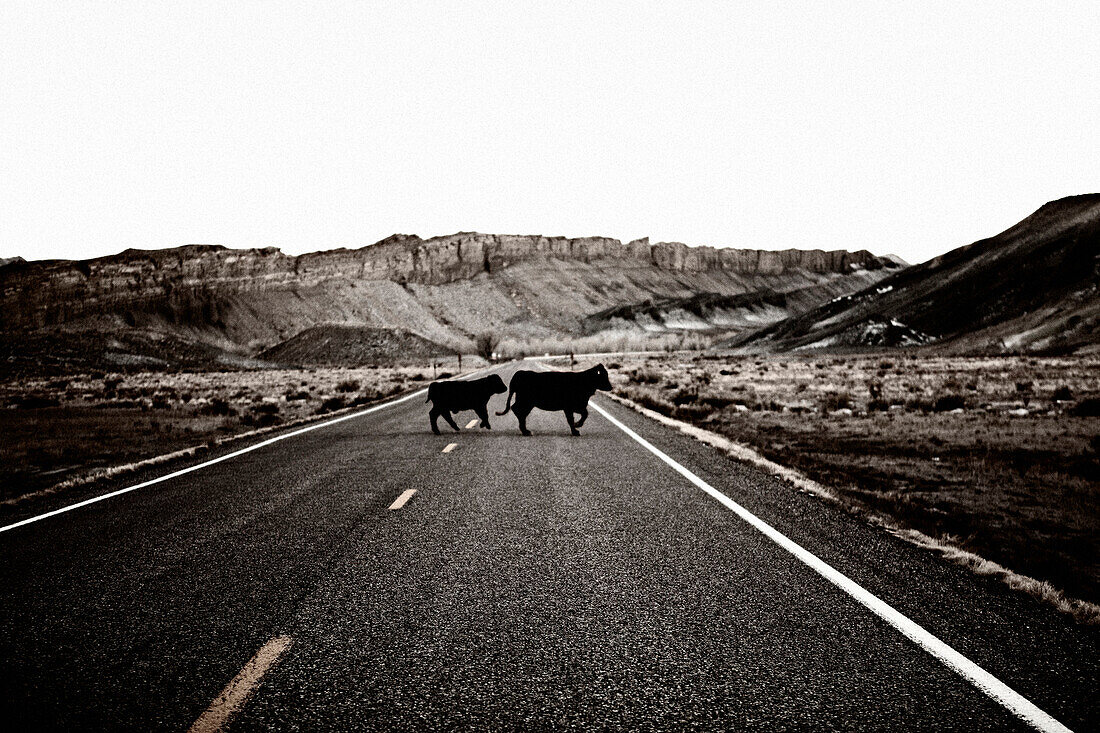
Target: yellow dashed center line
<point x="450" y="447"/>
<point x="471" y="424"/>
<point x="241" y="687"/>
<point x="403" y="499"/>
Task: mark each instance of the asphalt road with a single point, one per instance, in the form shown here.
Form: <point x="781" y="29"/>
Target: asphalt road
<point x="547" y="582"/>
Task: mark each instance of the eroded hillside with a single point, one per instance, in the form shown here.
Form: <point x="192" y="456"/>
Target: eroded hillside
<point x="445" y="290"/>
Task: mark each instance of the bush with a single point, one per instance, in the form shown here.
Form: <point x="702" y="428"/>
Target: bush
<point x="218" y="406"/>
<point x="1086" y="408"/>
<point x="645" y="376"/>
<point x="292" y="396"/>
<point x="949" y="402"/>
<point x="684" y="397"/>
<point x="37" y="402"/>
<point x="1062" y="394"/>
<point x="266" y="408"/>
<point x="261" y="419"/>
<point x="919" y="404"/>
<point x="718" y="402"/>
<point x="332" y="403"/>
<point x="691" y="412"/>
<point x="486" y="345"/>
<point x="348" y="385"/>
<point x="834" y="401"/>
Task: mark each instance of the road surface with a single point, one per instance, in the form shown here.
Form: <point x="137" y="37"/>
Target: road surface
<point x="370" y="575"/>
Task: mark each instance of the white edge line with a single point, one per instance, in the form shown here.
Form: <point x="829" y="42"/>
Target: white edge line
<point x="227" y="456"/>
<point x="241" y="687"/>
<point x="980" y="678"/>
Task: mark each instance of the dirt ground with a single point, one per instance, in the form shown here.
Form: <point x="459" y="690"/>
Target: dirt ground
<point x="1000" y="456"/>
<point x="55" y="429"/>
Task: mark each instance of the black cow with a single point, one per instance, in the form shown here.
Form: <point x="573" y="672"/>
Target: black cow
<point x="459" y="395"/>
<point x="565" y="391"/>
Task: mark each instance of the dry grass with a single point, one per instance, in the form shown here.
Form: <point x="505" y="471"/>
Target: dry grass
<point x="60" y="431"/>
<point x="995" y="457"/>
<point x="604" y="342"/>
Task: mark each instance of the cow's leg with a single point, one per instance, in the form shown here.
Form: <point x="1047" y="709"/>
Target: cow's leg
<point x="484" y="415"/>
<point x="521" y="412"/>
<point x="583" y="412"/>
<point x="569" y="419"/>
<point x="450" y="420"/>
<point x="434" y="415"/>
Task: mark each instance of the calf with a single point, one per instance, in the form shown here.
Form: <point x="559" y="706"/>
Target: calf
<point x="459" y="395"/>
<point x="565" y="391"/>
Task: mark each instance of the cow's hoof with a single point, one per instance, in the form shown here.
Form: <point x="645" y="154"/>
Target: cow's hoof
<point x="487" y="426"/>
<point x="526" y="432"/>
<point x="574" y="432"/>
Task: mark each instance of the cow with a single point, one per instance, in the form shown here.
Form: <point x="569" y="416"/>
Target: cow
<point x="458" y="395"/>
<point x="565" y="391"/>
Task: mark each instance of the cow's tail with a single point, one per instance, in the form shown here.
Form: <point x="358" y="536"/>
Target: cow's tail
<point x="508" y="402"/>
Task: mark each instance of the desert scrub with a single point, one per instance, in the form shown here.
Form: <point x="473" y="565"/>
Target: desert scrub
<point x="85" y="423"/>
<point x="978" y="449"/>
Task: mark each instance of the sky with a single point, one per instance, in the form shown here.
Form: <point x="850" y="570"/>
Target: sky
<point x="905" y="128"/>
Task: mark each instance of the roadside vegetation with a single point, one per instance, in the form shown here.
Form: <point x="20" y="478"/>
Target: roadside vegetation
<point x="997" y="456"/>
<point x="605" y="342"/>
<point x="61" y="428"/>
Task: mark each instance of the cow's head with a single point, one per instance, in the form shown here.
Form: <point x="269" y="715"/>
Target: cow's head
<point x="496" y="385"/>
<point x="599" y="377"/>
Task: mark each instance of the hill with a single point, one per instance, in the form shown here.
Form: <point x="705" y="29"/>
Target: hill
<point x="1033" y="288"/>
<point x="332" y="345"/>
<point x="445" y="290"/>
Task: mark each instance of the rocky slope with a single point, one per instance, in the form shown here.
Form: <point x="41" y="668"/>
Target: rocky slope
<point x="445" y="289"/>
<point x="1032" y="288"/>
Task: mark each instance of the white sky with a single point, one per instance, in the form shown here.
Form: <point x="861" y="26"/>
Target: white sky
<point x="911" y="128"/>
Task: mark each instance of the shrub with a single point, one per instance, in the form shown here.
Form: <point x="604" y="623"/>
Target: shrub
<point x="263" y="416"/>
<point x="486" y="345"/>
<point x="1086" y="408"/>
<point x="1062" y="394"/>
<point x="37" y="402"/>
<point x="645" y="376"/>
<point x="218" y="406"/>
<point x="919" y="404"/>
<point x="332" y="403"/>
<point x="292" y="396"/>
<point x="691" y="412"/>
<point x="717" y="402"/>
<point x="949" y="402"/>
<point x="684" y="397"/>
<point x="348" y="385"/>
<point x="834" y="401"/>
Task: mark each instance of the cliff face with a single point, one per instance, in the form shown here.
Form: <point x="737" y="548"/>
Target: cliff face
<point x="45" y="293"/>
<point x="445" y="289"/>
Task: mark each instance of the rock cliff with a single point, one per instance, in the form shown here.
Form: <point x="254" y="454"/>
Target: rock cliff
<point x="445" y="289"/>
